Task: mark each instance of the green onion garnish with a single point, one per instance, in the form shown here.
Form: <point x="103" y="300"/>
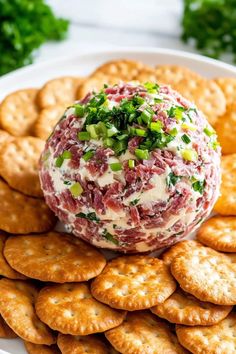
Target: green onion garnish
<point x="185" y="139"/>
<point x="59" y="161"/>
<point x="198" y="186"/>
<point x="209" y="132"/>
<point x="88" y="155"/>
<point x="79" y="110"/>
<point x="156" y="126"/>
<point x="112" y="131"/>
<point x="116" y="166"/>
<point x="108" y="142"/>
<point x="151" y="87"/>
<point x="66" y="155"/>
<point x="140" y="132"/>
<point x="91" y="129"/>
<point x="147" y="115"/>
<point x="173" y="132"/>
<point x="76" y="189"/>
<point x="142" y="154"/>
<point x="84" y="136"/>
<point x="189" y="155"/>
<point x="131" y="163"/>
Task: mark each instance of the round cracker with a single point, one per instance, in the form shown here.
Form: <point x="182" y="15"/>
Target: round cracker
<point x="228" y="86"/>
<point x="47" y="120"/>
<point x="17" y="309"/>
<point x="183" y="308"/>
<point x="5" y="330"/>
<point x="133" y="283"/>
<point x="21" y="214"/>
<point x="54" y="257"/>
<point x="219" y="233"/>
<point x="19" y="160"/>
<point x="61" y="90"/>
<point x="19" y="112"/>
<point x="226" y="203"/>
<point x="4" y="136"/>
<point x="41" y="348"/>
<point x="207" y="274"/>
<point x="143" y="333"/>
<point x="5" y="269"/>
<point x="220" y="338"/>
<point x="71" y="309"/>
<point x="226" y="130"/>
<point x="81" y="344"/>
<point x="174" y="251"/>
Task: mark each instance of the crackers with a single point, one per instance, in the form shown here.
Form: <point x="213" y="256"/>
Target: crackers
<point x="71" y="309"/>
<point x="228" y="86"/>
<point x="54" y="257"/>
<point x="17" y="309"/>
<point x="220" y="338"/>
<point x="19" y="160"/>
<point x="41" y="348"/>
<point x="226" y="130"/>
<point x="21" y="214"/>
<point x="81" y="344"/>
<point x="133" y="283"/>
<point x="226" y="203"/>
<point x="19" y="112"/>
<point x="4" y="136"/>
<point x="143" y="333"/>
<point x="5" y="269"/>
<point x="219" y="233"/>
<point x="58" y="91"/>
<point x="48" y="118"/>
<point x="5" y="330"/>
<point x="175" y="250"/>
<point x="206" y="274"/>
<point x="183" y="308"/>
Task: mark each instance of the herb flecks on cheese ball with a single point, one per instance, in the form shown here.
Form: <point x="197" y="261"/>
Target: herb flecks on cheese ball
<point x="132" y="168"/>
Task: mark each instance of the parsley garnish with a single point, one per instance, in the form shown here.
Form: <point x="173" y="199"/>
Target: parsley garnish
<point x="199" y="186"/>
<point x="134" y="202"/>
<point x="90" y="216"/>
<point x="110" y="237"/>
<point x="172" y="179"/>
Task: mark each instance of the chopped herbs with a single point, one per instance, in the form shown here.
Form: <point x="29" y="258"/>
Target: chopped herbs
<point x="134" y="202"/>
<point x="79" y="110"/>
<point x="89" y="216"/>
<point x="59" y="161"/>
<point x="189" y="155"/>
<point x="199" y="186"/>
<point x="83" y="136"/>
<point x="76" y="189"/>
<point x="110" y="237"/>
<point x="116" y="166"/>
<point x="88" y="155"/>
<point x="141" y="154"/>
<point x="131" y="163"/>
<point x="151" y="87"/>
<point x="209" y="132"/>
<point x="186" y="139"/>
<point x="67" y="183"/>
<point x="172" y="179"/>
<point x="66" y="155"/>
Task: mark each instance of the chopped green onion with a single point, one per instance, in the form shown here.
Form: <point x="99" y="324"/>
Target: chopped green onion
<point x="110" y="237"/>
<point x="142" y="154"/>
<point x="101" y="128"/>
<point x="122" y="137"/>
<point x="59" y="161"/>
<point x="140" y="132"/>
<point x="112" y="131"/>
<point x="88" y="155"/>
<point x="151" y="87"/>
<point x="185" y="139"/>
<point x="156" y="126"/>
<point x="108" y="142"/>
<point x="147" y="115"/>
<point x="209" y="132"/>
<point x="178" y="112"/>
<point x="84" y="136"/>
<point x="91" y="129"/>
<point x="172" y="179"/>
<point x="134" y="202"/>
<point x="189" y="126"/>
<point x="131" y="163"/>
<point x="79" y="110"/>
<point x="66" y="155"/>
<point x="116" y="166"/>
<point x="173" y="132"/>
<point x="68" y="183"/>
<point x="120" y="146"/>
<point x="76" y="189"/>
<point x="214" y="144"/>
<point x="198" y="186"/>
<point x="90" y="216"/>
<point x="189" y="155"/>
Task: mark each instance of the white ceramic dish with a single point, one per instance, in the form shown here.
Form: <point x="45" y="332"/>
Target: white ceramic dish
<point x="35" y="75"/>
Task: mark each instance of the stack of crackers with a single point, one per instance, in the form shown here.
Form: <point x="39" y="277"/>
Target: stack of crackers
<point x="61" y="295"/>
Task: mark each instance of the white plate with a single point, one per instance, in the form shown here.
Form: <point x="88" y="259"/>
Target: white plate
<point x="35" y="75"/>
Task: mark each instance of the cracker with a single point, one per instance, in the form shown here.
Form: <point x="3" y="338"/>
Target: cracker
<point x="133" y="283"/>
<point x="226" y="203"/>
<point x="228" y="86"/>
<point x="58" y="91"/>
<point x="19" y="112"/>
<point x="183" y="308"/>
<point x="220" y="338"/>
<point x="5" y="330"/>
<point x="81" y="344"/>
<point x="17" y="309"/>
<point x="219" y="233"/>
<point x="226" y="130"/>
<point x="41" y="348"/>
<point x="47" y="120"/>
<point x="21" y="214"/>
<point x="71" y="309"/>
<point x="175" y="250"/>
<point x="207" y="274"/>
<point x="5" y="269"/>
<point x="19" y="159"/>
<point x="143" y="333"/>
<point x="4" y="136"/>
<point x="54" y="257"/>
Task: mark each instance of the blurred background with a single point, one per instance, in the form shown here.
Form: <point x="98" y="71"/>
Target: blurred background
<point x="31" y="31"/>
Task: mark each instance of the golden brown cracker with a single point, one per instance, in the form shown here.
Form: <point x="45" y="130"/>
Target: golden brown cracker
<point x="4" y="136"/>
<point x="144" y="333"/>
<point x="17" y="309"/>
<point x="183" y="308"/>
<point x="226" y="130"/>
<point x="19" y="159"/>
<point x="220" y="338"/>
<point x="133" y="283"/>
<point x="71" y="309"/>
<point x="19" y="112"/>
<point x="54" y="257"/>
<point x="175" y="250"/>
<point x="41" y="348"/>
<point x="47" y="119"/>
<point x="5" y="330"/>
<point x="228" y="86"/>
<point x="219" y="233"/>
<point x="81" y="344"/>
<point x="5" y="269"/>
<point x="226" y="203"/>
<point x="61" y="90"/>
<point x="207" y="274"/>
<point x="21" y="214"/>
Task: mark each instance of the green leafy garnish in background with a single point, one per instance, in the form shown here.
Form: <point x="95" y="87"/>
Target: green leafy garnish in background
<point x="212" y="26"/>
<point x="24" y="26"/>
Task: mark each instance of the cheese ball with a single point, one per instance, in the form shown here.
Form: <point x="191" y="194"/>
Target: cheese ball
<point x="132" y="168"/>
